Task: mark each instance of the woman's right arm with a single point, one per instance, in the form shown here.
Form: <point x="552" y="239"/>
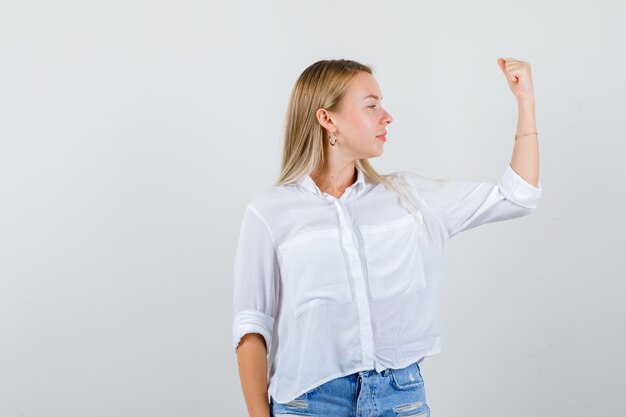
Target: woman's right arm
<point x="255" y="303"/>
<point x="252" y="362"/>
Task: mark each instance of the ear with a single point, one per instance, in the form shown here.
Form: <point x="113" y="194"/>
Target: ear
<point x="324" y="119"/>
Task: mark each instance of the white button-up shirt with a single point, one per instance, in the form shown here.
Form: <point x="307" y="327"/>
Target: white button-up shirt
<point x="340" y="285"/>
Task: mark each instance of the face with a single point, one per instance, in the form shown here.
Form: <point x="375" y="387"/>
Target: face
<point x="361" y="122"/>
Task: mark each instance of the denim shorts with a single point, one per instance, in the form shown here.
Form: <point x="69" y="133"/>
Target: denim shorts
<point x="390" y="393"/>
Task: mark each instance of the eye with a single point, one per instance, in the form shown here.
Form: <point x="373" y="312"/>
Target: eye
<point x="372" y="106"/>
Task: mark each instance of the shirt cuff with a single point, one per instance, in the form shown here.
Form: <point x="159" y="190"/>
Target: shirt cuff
<point x="518" y="190"/>
<point x="252" y="321"/>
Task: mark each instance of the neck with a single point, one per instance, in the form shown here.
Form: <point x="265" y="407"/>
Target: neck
<point x="334" y="180"/>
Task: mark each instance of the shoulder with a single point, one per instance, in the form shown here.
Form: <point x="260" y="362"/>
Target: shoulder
<point x="418" y="182"/>
<point x="271" y="199"/>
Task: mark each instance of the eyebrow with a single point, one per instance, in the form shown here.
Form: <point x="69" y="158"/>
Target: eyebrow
<point x="372" y="96"/>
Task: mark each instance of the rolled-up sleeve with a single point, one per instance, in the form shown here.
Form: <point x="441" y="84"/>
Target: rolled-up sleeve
<point x="463" y="205"/>
<point x="255" y="280"/>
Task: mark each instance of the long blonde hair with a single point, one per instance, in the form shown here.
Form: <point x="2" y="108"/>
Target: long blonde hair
<point x="323" y="85"/>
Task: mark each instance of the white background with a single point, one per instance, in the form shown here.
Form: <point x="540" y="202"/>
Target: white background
<point x="133" y="133"/>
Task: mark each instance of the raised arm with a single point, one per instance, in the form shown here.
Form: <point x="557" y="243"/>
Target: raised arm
<point x="525" y="159"/>
<point x="463" y="204"/>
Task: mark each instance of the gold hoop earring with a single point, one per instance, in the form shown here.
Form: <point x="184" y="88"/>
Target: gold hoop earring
<point x="331" y="142"/>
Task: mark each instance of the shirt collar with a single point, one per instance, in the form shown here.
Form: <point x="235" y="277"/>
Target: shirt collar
<point x="357" y="188"/>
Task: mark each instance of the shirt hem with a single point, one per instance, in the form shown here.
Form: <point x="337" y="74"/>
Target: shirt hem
<point x="352" y="371"/>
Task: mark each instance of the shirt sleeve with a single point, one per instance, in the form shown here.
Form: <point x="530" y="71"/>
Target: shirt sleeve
<point x="255" y="280"/>
<point x="463" y="205"/>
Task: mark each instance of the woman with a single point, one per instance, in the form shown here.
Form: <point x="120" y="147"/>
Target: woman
<point x="337" y="277"/>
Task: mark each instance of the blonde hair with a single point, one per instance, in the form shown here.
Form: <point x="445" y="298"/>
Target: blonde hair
<point x="323" y="85"/>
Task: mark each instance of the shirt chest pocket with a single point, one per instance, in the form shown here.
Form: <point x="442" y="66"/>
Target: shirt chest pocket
<point x="394" y="261"/>
<point x="314" y="271"/>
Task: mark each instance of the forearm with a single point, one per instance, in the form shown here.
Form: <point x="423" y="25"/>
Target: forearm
<point x="525" y="159"/>
<point x="252" y="363"/>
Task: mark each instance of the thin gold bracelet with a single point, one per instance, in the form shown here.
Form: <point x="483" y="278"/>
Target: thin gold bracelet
<point x="531" y="133"/>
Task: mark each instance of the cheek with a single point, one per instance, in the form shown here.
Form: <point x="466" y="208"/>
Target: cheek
<point x="363" y="123"/>
<point x="360" y="125"/>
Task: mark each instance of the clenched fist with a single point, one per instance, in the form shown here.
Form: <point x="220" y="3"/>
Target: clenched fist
<point x="517" y="74"/>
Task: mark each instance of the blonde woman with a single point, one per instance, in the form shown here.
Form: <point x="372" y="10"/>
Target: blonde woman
<point x="337" y="275"/>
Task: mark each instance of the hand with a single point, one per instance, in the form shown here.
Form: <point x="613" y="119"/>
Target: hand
<point x="517" y="74"/>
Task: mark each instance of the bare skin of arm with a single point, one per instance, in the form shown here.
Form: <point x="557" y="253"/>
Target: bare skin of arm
<point x="525" y="159"/>
<point x="252" y="363"/>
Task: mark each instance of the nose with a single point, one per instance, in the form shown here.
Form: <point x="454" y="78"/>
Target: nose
<point x="388" y="119"/>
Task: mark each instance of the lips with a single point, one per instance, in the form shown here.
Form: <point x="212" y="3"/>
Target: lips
<point x="383" y="137"/>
